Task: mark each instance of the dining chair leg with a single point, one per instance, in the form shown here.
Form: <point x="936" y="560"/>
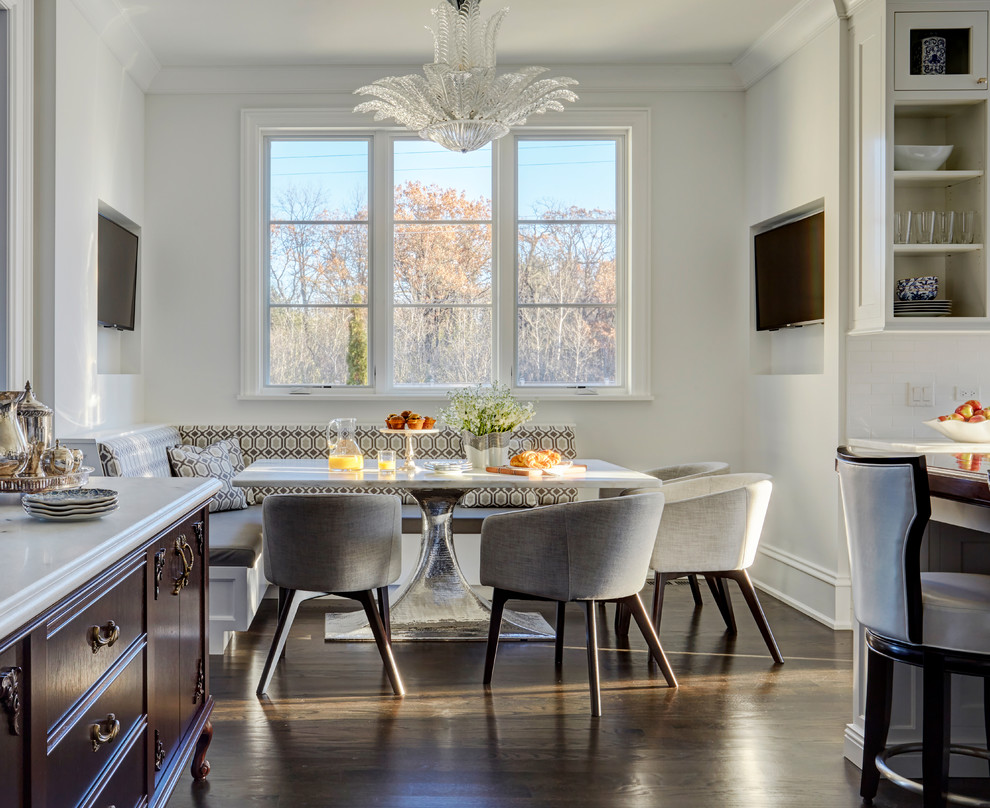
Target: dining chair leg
<point x="986" y="710"/>
<point x="592" y="644"/>
<point x="660" y="580"/>
<point x="638" y="610"/>
<point x="621" y="620"/>
<point x="499" y="597"/>
<point x="695" y="589"/>
<point x="283" y="597"/>
<point x="558" y="648"/>
<point x="742" y="578"/>
<point x="367" y="600"/>
<point x="879" y="678"/>
<point x="935" y="731"/>
<point x="384" y="611"/>
<point x="290" y="600"/>
<point x="722" y="600"/>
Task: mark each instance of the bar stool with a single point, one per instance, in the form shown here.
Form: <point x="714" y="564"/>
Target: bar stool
<point x="937" y="621"/>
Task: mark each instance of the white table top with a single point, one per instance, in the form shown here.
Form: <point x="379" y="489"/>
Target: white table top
<point x="315" y="474"/>
<point x="917" y="445"/>
<point x="42" y="562"/>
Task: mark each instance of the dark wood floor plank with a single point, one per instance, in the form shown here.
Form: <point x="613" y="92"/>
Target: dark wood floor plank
<point x="740" y="732"/>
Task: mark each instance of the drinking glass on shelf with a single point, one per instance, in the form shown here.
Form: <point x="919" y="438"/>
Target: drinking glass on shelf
<point x="902" y="226"/>
<point x="945" y="227"/>
<point x="965" y="226"/>
<point x="924" y="226"/>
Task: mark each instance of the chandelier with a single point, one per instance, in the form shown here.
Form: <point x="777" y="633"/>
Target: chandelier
<point x="461" y="104"/>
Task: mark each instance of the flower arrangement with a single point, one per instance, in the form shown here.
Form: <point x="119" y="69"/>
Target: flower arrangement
<point x="484" y="410"/>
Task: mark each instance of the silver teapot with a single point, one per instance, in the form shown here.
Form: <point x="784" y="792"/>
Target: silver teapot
<point x="14" y="448"/>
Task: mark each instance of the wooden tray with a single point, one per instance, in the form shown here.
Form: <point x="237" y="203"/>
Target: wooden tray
<point x="534" y="474"/>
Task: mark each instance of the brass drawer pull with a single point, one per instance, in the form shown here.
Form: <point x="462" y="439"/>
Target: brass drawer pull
<point x="104" y="732"/>
<point x="181" y="549"/>
<point x="103" y="636"/>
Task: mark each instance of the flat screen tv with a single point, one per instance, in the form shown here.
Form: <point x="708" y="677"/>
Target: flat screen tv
<point x="790" y="274"/>
<point x="116" y="259"/>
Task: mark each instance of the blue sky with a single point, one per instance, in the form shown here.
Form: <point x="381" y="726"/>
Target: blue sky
<point x="562" y="172"/>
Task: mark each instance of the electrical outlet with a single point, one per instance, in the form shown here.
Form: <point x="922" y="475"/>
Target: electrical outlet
<point x="964" y="392"/>
<point x="921" y="394"/>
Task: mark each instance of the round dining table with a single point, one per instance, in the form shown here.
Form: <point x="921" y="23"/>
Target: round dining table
<point x="436" y="602"/>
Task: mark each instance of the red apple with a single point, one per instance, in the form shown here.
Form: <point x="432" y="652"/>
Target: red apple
<point x="975" y="419"/>
<point x="943" y="418"/>
<point x="956" y="417"/>
<point x="965" y="410"/>
<point x="975" y="404"/>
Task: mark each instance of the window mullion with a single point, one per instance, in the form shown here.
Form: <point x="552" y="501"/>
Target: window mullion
<point x="381" y="262"/>
<point x="504" y="267"/>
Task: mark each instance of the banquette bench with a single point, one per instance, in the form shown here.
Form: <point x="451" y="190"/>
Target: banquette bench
<point x="237" y="582"/>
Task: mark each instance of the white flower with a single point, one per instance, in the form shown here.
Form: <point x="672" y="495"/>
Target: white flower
<point x="482" y="410"/>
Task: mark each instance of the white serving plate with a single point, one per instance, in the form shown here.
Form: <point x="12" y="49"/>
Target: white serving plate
<point x="78" y="496"/>
<point x="69" y="517"/>
<point x="103" y="506"/>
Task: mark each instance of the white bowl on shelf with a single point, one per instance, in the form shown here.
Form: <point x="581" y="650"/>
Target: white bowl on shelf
<point x="920" y="158"/>
<point x="962" y="431"/>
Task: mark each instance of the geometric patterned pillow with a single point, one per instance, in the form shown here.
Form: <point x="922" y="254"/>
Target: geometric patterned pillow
<point x="211" y="461"/>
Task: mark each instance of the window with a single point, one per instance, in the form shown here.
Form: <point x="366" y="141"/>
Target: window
<point x="376" y="263"/>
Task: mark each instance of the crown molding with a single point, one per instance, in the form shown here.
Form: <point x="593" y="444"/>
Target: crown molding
<point x="114" y="27"/>
<point x="791" y="33"/>
<point x="320" y="79"/>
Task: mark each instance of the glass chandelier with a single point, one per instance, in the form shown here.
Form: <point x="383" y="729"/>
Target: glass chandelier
<point x="461" y="104"/>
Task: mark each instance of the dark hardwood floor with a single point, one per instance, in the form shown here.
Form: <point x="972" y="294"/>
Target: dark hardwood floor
<point x="739" y="731"/>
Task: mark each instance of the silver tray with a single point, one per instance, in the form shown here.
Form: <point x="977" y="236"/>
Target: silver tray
<point x="32" y="485"/>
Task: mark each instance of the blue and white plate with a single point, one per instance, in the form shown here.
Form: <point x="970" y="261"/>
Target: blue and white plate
<point x="72" y="497"/>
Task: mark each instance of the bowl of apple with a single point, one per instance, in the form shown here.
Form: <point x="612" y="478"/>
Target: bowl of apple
<point x="970" y="423"/>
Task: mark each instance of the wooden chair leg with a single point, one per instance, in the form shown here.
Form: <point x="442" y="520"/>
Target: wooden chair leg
<point x="367" y="600"/>
<point x="638" y="610"/>
<point x="384" y="611"/>
<point x="659" y="586"/>
<point x="592" y="643"/>
<point x="284" y="596"/>
<point x="986" y="709"/>
<point x="879" y="678"/>
<point x="499" y="597"/>
<point x="935" y="731"/>
<point x="621" y="620"/>
<point x="723" y="601"/>
<point x="289" y="600"/>
<point x="695" y="590"/>
<point x="558" y="649"/>
<point x="749" y="592"/>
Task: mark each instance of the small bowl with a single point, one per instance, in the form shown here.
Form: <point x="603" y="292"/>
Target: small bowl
<point x="925" y="288"/>
<point x="961" y="431"/>
<point x="920" y="158"/>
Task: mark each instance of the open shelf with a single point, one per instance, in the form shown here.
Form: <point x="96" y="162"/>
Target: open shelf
<point x="934" y="179"/>
<point x="935" y="249"/>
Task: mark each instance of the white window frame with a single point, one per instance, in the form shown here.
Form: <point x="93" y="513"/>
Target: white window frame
<point x="633" y="326"/>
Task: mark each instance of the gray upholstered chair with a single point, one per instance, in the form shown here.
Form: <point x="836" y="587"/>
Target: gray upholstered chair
<point x="712" y="526"/>
<point x="577" y="551"/>
<point x="691" y="471"/>
<point x="340" y="544"/>
<point x="938" y="621"/>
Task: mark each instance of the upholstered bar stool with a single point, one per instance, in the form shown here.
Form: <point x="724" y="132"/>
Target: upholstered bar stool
<point x="937" y="621"/>
<point x="337" y="544"/>
<point x="577" y="551"/>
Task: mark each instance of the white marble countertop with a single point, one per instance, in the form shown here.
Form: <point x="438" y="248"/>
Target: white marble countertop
<point x="42" y="562"/>
<point x="918" y="446"/>
<point x="315" y="474"/>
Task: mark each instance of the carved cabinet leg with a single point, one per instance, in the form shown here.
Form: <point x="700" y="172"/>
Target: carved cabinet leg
<point x="200" y="765"/>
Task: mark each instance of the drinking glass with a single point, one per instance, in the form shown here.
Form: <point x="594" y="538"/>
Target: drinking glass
<point x="902" y="226"/>
<point x="965" y="226"/>
<point x="386" y="460"/>
<point x="945" y="228"/>
<point x="924" y="226"/>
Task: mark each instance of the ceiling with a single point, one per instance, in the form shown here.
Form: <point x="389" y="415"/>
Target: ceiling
<point x="226" y="33"/>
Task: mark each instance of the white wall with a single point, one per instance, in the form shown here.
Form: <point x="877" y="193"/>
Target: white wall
<point x="794" y="156"/>
<point x="93" y="135"/>
<point x="191" y="300"/>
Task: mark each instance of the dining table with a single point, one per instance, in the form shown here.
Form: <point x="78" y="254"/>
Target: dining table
<point x="437" y="602"/>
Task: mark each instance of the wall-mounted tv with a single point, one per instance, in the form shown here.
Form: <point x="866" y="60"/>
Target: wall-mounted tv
<point x="790" y="274"/>
<point x="116" y="258"/>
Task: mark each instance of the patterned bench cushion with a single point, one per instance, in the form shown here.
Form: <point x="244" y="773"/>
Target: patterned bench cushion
<point x="143" y="454"/>
<point x="310" y="441"/>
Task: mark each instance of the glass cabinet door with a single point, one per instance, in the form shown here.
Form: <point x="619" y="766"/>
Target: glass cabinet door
<point x="940" y="50"/>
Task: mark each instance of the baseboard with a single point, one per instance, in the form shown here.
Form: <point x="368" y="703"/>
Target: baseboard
<point x="834" y="607"/>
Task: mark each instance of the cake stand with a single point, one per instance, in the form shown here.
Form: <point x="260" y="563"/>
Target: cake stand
<point x="410" y="465"/>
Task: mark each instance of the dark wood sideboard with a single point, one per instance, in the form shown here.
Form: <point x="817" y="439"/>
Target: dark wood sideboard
<point x="105" y="697"/>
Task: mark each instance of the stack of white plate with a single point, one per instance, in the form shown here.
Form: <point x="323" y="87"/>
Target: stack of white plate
<point x="922" y="308"/>
<point x="451" y="467"/>
<point x="70" y="506"/>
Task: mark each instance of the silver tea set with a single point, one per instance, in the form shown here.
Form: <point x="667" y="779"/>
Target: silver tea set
<point x="26" y="439"/>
